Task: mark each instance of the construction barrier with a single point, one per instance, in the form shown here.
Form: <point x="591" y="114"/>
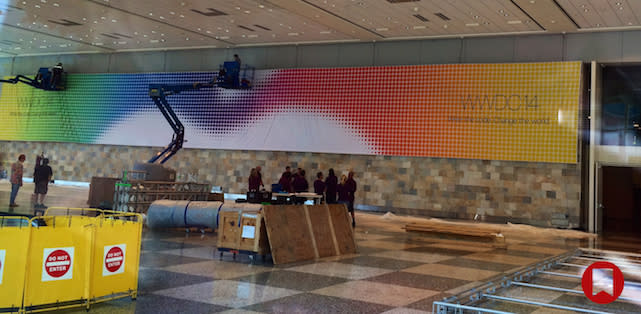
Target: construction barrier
<point x="14" y="240"/>
<point x="73" y="257"/>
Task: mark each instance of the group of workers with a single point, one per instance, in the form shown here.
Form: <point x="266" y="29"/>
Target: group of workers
<point x="333" y="189"/>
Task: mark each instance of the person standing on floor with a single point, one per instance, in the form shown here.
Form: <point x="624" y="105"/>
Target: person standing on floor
<point x="17" y="170"/>
<point x="41" y="178"/>
<point x="260" y="176"/>
<point x="319" y="185"/>
<point x="331" y="185"/>
<point x="350" y="186"/>
<point x="286" y="182"/>
<point x="343" y="196"/>
<point x="300" y="185"/>
<point x="254" y="180"/>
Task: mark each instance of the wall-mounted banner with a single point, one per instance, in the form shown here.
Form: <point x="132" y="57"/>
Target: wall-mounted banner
<point x="524" y="112"/>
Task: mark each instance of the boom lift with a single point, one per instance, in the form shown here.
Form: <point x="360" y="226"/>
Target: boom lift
<point x="159" y="93"/>
<point x="43" y="80"/>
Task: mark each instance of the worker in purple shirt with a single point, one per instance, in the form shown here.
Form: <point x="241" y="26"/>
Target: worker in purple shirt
<point x="350" y="187"/>
<point x="331" y="186"/>
<point x="319" y="185"/>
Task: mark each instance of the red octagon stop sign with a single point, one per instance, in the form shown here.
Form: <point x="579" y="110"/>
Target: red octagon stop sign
<point x="602" y="297"/>
<point x="58" y="263"/>
<point x="114" y="259"/>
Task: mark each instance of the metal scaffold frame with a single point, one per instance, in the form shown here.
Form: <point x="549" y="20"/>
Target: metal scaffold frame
<point x="468" y="301"/>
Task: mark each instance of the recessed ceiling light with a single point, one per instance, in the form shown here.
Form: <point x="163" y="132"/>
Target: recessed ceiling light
<point x="114" y="21"/>
<point x="151" y="14"/>
<point x="172" y="12"/>
<point x="247" y="12"/>
<point x="620" y="8"/>
<point x="98" y="44"/>
<point x="261" y="6"/>
<point x="182" y="16"/>
<point x="382" y="29"/>
<point x="585" y="10"/>
<point x="419" y="27"/>
<point x="445" y="26"/>
<point x="325" y="32"/>
<point x="618" y="3"/>
<point x="187" y="38"/>
<point x="501" y="11"/>
<point x="514" y="22"/>
<point x="162" y="17"/>
<point x="56" y="5"/>
<point x="292" y="34"/>
<point x="532" y="1"/>
<point x="252" y="36"/>
<point x="472" y="24"/>
<point x="553" y="21"/>
<point x="476" y="16"/>
<point x="598" y="24"/>
<point x="37" y="6"/>
<point x="153" y="41"/>
<point x="415" y="9"/>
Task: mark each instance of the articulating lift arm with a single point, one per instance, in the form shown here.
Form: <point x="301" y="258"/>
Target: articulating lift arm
<point x="22" y="79"/>
<point x="159" y="93"/>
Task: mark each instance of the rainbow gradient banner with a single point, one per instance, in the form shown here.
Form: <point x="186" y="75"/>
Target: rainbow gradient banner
<point x="521" y="111"/>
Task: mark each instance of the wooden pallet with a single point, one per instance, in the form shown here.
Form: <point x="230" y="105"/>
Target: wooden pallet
<point x="494" y="234"/>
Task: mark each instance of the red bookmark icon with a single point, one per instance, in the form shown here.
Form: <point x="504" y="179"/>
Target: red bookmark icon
<point x="602" y="297"/>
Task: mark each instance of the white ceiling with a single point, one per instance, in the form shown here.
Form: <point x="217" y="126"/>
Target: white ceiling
<point x="73" y="26"/>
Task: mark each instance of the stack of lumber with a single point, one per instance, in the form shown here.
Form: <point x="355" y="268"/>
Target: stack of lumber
<point x="487" y="232"/>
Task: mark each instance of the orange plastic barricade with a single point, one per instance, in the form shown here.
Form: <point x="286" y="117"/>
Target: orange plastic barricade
<point x="58" y="265"/>
<point x="14" y="239"/>
<point x="116" y="256"/>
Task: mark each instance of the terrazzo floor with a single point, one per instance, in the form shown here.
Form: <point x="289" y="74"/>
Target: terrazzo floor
<point x="393" y="272"/>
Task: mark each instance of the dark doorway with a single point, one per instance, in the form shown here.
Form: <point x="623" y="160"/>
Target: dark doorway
<point x="622" y="201"/>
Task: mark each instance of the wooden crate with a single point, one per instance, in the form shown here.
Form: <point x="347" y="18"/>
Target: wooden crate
<point x="228" y="230"/>
<point x="101" y="190"/>
<point x="253" y="234"/>
<point x="248" y="236"/>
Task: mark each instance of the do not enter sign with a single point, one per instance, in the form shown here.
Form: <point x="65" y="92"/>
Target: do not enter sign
<point x="114" y="259"/>
<point x="57" y="264"/>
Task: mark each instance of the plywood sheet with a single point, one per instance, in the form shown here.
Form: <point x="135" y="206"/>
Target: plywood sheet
<point x="342" y="228"/>
<point x="288" y="233"/>
<point x="229" y="230"/>
<point x="323" y="233"/>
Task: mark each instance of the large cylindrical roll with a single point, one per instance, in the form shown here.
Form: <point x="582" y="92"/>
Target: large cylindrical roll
<point x="184" y="214"/>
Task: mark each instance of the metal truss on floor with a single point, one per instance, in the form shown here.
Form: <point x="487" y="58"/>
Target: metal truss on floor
<point x="471" y="301"/>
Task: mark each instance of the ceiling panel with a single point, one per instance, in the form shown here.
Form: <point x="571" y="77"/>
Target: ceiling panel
<point x="603" y="14"/>
<point x="236" y="22"/>
<point x="431" y="17"/>
<point x="72" y="26"/>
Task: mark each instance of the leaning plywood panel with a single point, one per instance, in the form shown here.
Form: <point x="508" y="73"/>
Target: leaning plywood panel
<point x="340" y="221"/>
<point x="288" y="233"/>
<point x="323" y="235"/>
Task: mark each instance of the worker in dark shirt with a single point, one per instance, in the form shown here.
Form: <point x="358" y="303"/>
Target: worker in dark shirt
<point x="350" y="186"/>
<point x="41" y="178"/>
<point x="56" y="75"/>
<point x="331" y="184"/>
<point x="254" y="180"/>
<point x="343" y="196"/>
<point x="260" y="176"/>
<point x="286" y="182"/>
<point x="319" y="185"/>
<point x="300" y="185"/>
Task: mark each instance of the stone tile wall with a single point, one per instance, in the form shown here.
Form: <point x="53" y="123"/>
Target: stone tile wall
<point x="453" y="188"/>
